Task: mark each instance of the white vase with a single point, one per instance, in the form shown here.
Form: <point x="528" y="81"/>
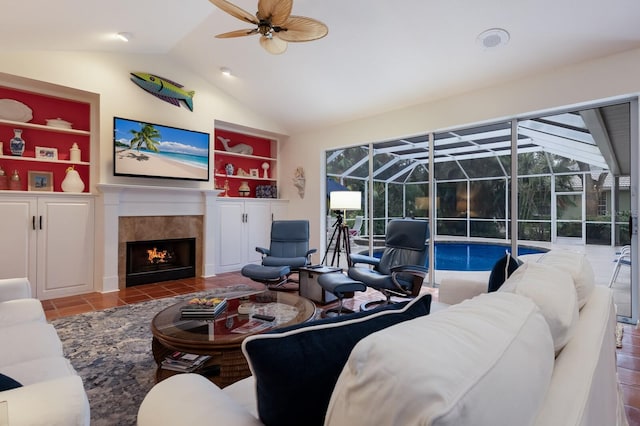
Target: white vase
<point x="74" y="153"/>
<point x="72" y="181"/>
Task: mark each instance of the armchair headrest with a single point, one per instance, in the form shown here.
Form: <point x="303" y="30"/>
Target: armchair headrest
<point x="290" y="230"/>
<point x="410" y="234"/>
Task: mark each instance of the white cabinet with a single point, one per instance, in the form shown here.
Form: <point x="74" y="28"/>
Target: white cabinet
<point x="243" y="225"/>
<point x="50" y="240"/>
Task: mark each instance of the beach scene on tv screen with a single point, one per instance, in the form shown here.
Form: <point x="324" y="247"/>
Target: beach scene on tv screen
<point x="152" y="150"/>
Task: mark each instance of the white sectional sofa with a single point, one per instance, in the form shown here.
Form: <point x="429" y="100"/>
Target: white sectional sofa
<point x="51" y="392"/>
<point x="540" y="351"/>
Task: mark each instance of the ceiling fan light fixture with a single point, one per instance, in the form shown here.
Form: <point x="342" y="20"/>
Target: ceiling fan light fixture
<point x="493" y="38"/>
<point x="225" y="71"/>
<point x="274" y="23"/>
<point x="123" y="36"/>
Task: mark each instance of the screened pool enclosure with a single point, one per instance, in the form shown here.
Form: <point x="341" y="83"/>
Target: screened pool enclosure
<point x="564" y="177"/>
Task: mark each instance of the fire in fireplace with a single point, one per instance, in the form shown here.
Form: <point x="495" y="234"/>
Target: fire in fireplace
<point x="160" y="260"/>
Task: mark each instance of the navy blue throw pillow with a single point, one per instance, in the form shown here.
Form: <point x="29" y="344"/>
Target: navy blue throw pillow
<point x="7" y="383"/>
<point x="501" y="271"/>
<point x="297" y="367"/>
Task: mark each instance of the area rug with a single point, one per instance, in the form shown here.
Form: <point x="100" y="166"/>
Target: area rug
<point x="619" y="334"/>
<point x="111" y="351"/>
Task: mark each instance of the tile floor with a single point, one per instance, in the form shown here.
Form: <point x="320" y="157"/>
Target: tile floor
<point x="628" y="355"/>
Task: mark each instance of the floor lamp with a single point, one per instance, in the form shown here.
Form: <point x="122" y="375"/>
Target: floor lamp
<point x="341" y="201"/>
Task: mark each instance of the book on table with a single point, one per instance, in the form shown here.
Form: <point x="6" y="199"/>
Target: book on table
<point x="203" y="308"/>
<point x="184" y="362"/>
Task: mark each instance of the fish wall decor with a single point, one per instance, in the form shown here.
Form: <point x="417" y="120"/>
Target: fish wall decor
<point x="163" y="88"/>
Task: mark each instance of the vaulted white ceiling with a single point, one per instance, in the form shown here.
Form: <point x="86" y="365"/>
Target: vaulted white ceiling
<point x="379" y="55"/>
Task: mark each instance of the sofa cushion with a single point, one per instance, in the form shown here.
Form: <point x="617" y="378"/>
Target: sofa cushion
<point x="8" y="383"/>
<point x="57" y="402"/>
<point x="553" y="291"/>
<point x="20" y="311"/>
<point x="485" y="361"/>
<point x="502" y="270"/>
<point x="191" y="400"/>
<point x="28" y="341"/>
<point x="39" y="370"/>
<point x="296" y="368"/>
<point x="577" y="265"/>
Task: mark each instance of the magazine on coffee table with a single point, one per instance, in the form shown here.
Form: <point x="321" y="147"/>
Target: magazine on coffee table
<point x="184" y="362"/>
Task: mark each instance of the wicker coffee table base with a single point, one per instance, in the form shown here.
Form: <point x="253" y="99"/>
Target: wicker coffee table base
<point x="231" y="363"/>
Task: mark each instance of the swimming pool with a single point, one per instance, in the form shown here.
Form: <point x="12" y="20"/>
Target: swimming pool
<point x="473" y="256"/>
<point x="470" y="256"/>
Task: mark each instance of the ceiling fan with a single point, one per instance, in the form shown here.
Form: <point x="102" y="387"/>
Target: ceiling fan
<point x="274" y="23"/>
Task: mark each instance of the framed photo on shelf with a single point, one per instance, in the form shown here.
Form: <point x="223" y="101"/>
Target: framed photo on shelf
<point x="253" y="173"/>
<point x="48" y="153"/>
<point x="40" y="181"/>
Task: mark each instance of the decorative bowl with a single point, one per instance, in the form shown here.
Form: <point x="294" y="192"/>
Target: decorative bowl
<point x="58" y="122"/>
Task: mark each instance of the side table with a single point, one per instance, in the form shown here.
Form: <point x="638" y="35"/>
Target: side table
<point x="309" y="287"/>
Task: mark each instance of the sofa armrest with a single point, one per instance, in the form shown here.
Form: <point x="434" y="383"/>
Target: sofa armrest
<point x="456" y="290"/>
<point x="14" y="288"/>
<point x="191" y="399"/>
<point x="58" y="402"/>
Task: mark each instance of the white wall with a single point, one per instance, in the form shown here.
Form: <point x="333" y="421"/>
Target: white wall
<point x="606" y="78"/>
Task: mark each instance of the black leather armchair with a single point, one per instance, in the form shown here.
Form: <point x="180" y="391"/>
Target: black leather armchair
<point x="287" y="253"/>
<point x="401" y="269"/>
<point x="289" y="244"/>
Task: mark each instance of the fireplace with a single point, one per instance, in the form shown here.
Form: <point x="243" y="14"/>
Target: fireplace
<point x="160" y="260"/>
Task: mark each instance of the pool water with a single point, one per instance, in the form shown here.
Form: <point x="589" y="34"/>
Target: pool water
<point x="471" y="256"/>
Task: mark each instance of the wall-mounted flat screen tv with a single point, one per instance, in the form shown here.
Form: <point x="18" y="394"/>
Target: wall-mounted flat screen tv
<point x="144" y="149"/>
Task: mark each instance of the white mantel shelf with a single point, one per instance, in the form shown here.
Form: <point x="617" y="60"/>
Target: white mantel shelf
<point x="141" y="200"/>
<point x="114" y="187"/>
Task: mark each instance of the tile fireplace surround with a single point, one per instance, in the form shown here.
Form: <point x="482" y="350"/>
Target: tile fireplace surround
<point x="149" y="210"/>
<point x="145" y="228"/>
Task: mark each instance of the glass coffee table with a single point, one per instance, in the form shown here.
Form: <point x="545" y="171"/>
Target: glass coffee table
<point x="222" y="338"/>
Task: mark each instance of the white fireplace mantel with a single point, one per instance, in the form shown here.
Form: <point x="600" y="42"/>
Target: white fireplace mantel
<point x="138" y="200"/>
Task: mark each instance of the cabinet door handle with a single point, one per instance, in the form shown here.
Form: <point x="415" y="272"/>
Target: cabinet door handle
<point x="40" y="222"/>
<point x="33" y="222"/>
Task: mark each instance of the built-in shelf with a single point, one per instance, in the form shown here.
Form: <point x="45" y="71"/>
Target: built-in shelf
<point x="219" y="175"/>
<point x="48" y="148"/>
<point x="44" y="160"/>
<point x="249" y="168"/>
<point x="252" y="157"/>
<point x="20" y="124"/>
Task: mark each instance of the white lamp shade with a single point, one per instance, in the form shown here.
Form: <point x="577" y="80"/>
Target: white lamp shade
<point x="345" y="200"/>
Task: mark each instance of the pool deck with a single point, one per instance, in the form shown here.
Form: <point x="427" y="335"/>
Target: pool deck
<point x="601" y="259"/>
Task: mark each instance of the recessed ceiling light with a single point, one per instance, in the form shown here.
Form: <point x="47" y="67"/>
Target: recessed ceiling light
<point x="124" y="36"/>
<point x="493" y="38"/>
<point x="225" y="71"/>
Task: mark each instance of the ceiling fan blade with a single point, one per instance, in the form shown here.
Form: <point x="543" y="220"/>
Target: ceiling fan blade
<point x="276" y="10"/>
<point x="273" y="45"/>
<point x="235" y="11"/>
<point x="238" y="33"/>
<point x="300" y="28"/>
